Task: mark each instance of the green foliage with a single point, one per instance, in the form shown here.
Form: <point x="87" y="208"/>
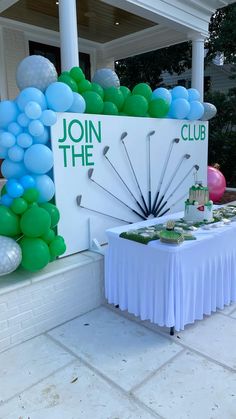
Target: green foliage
<point x="222" y="134"/>
<point x="148" y="67"/>
<point x="222" y="31"/>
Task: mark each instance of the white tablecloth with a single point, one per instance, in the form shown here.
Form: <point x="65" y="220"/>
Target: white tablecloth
<point x="171" y="285"/>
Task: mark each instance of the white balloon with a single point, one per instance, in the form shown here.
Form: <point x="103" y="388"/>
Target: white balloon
<point x="35" y="71"/>
<point x="106" y="77"/>
<point x="10" y="255"/>
<point x="209" y="111"/>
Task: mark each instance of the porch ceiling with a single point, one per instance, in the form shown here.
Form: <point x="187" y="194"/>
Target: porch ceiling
<point x="97" y="21"/>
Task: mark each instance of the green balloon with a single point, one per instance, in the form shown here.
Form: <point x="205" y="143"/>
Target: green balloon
<point x="110" y="108"/>
<point x="57" y="247"/>
<point x="158" y="108"/>
<point x="49" y="236"/>
<point x="35" y="253"/>
<point x="142" y="89"/>
<point x="31" y="195"/>
<point x="19" y="205"/>
<point x="125" y="91"/>
<point x="53" y="211"/>
<point x="95" y="87"/>
<point x="94" y="102"/>
<point x="67" y="79"/>
<point x="35" y="222"/>
<point x="84" y="86"/>
<point x="3" y="190"/>
<point x="114" y="95"/>
<point x="9" y="222"/>
<point x="77" y="74"/>
<point x="136" y="105"/>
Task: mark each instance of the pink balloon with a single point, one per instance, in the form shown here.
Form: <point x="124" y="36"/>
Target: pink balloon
<point x="216" y="183"/>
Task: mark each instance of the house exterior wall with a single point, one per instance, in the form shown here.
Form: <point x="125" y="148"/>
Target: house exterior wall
<point x="219" y="75"/>
<point x="14" y="46"/>
<point x="14" y="51"/>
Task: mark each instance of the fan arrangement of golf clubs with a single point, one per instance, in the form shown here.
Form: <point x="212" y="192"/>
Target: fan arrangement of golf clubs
<point x="153" y="207"/>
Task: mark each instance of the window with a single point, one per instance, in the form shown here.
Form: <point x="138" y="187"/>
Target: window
<point x="53" y="54"/>
<point x="207" y="83"/>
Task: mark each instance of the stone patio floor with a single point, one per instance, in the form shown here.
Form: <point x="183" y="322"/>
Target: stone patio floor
<point x="107" y="364"/>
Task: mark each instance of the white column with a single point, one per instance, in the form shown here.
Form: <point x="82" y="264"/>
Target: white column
<point x="68" y="34"/>
<point x="198" y="65"/>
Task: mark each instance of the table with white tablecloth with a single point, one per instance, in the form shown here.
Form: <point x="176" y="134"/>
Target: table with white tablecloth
<point x="171" y="285"/>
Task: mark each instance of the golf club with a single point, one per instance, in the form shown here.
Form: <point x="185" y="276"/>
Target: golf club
<point x="149" y="171"/>
<point x="174" y="141"/>
<point x="78" y="200"/>
<point x="184" y="157"/>
<point x="168" y="209"/>
<point x="133" y="171"/>
<point x="180" y="183"/>
<point x="105" y="150"/>
<point x="90" y="173"/>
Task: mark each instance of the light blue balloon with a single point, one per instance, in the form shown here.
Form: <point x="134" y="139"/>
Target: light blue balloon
<point x="179" y="108"/>
<point x="38" y="159"/>
<point x="6" y="200"/>
<point x="27" y="182"/>
<point x="16" y="153"/>
<point x="42" y="139"/>
<point x="193" y="94"/>
<point x="12" y="169"/>
<point x="33" y="110"/>
<point x="78" y="105"/>
<point x="179" y="92"/>
<point x="7" y="139"/>
<point x="14" y="188"/>
<point x="46" y="188"/>
<point x="14" y="128"/>
<point x="59" y="97"/>
<point x="24" y="140"/>
<point x="8" y="113"/>
<point x="31" y="94"/>
<point x="23" y="120"/>
<point x="48" y="118"/>
<point x="36" y="128"/>
<point x="196" y="110"/>
<point x="3" y="152"/>
<point x="162" y="93"/>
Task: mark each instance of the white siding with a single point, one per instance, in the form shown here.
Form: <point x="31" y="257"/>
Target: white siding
<point x="15" y="51"/>
<point x="220" y="77"/>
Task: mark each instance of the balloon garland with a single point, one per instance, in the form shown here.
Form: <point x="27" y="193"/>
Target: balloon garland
<point x="28" y="217"/>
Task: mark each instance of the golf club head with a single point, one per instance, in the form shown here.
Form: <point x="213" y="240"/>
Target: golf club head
<point x="105" y="150"/>
<point x="90" y="173"/>
<point x="187" y="156"/>
<point x="176" y="140"/>
<point x="123" y="135"/>
<point x="196" y="167"/>
<point x="78" y="200"/>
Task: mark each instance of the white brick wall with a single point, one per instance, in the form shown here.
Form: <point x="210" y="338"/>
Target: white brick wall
<point x="29" y="308"/>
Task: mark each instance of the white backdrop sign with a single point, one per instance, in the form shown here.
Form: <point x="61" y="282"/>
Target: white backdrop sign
<point x="107" y="170"/>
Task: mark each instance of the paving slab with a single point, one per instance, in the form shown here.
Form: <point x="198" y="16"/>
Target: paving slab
<point x="28" y="363"/>
<point x="215" y="336"/>
<point x="122" y="350"/>
<point x="191" y="387"/>
<point x="75" y="392"/>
